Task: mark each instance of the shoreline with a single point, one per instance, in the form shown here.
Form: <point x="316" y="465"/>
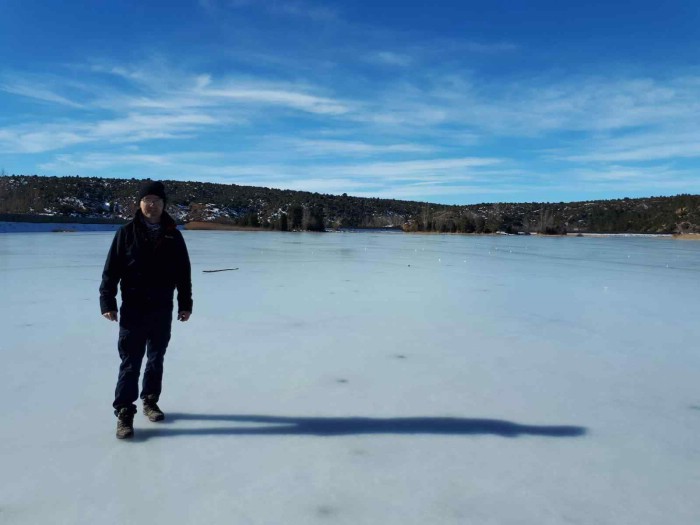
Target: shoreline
<point x="67" y="227"/>
<point x="687" y="236"/>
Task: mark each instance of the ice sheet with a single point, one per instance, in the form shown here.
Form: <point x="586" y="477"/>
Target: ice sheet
<point x="363" y="378"/>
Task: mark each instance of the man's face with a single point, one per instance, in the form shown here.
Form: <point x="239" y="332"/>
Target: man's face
<point x="152" y="207"/>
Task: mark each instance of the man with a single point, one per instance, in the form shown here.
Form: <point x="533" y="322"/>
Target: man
<point x="148" y="257"/>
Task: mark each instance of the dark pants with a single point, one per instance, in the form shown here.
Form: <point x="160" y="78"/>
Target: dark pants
<point x="141" y="332"/>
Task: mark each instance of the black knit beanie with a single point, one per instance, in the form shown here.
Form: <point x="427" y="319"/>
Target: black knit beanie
<point x="153" y="188"/>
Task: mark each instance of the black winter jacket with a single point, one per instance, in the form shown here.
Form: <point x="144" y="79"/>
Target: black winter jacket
<point x="148" y="271"/>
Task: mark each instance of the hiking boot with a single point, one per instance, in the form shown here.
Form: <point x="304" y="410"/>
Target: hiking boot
<point x="125" y="423"/>
<point x="151" y="410"/>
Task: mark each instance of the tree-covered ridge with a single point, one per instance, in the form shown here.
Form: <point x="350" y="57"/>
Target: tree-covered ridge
<point x="88" y="199"/>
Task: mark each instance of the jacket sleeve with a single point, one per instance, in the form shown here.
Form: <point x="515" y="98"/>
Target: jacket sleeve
<point x="112" y="273"/>
<point x="184" y="278"/>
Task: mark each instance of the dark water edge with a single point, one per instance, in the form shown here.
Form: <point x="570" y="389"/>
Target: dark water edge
<point x="58" y="227"/>
<point x="73" y="227"/>
<point x="44" y="227"/>
<point x="68" y="227"/>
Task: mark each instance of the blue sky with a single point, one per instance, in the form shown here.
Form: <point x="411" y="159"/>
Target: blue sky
<point x="452" y="102"/>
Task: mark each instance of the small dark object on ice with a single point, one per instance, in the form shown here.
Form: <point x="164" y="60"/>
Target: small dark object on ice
<point x="125" y="424"/>
<point x="222" y="270"/>
<point x="151" y="410"/>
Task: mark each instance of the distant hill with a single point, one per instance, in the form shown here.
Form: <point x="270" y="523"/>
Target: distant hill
<point x="90" y="199"/>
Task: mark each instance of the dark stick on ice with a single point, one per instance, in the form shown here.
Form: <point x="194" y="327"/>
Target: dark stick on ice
<point x="222" y="270"/>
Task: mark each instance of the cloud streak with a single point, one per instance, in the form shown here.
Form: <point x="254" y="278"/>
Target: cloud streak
<point x="39" y="93"/>
<point x="133" y="128"/>
<point x="279" y="97"/>
<point x="336" y="148"/>
<point x="390" y="58"/>
<point x="671" y="143"/>
<point x="289" y="8"/>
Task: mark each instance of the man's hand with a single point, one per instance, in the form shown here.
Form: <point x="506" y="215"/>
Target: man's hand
<point x="110" y="316"/>
<point x="183" y="316"/>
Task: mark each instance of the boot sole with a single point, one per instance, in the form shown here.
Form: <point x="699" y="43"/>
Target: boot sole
<point x="155" y="419"/>
<point x="126" y="436"/>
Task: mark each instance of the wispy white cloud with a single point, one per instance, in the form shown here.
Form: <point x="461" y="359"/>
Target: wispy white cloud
<point x="354" y="148"/>
<point x="405" y="170"/>
<point x="535" y="106"/>
<point x="151" y="109"/>
<point x="390" y="58"/>
<point x="36" y="138"/>
<point x="29" y="139"/>
<point x="623" y="180"/>
<point x="138" y="127"/>
<point x="295" y="8"/>
<point x="623" y="173"/>
<point x="664" y="144"/>
<point x="315" y="12"/>
<point x="490" y="47"/>
<point x="611" y="174"/>
<point x="96" y="161"/>
<point x="642" y="153"/>
<point x="279" y="97"/>
<point x="38" y="93"/>
<point x="100" y="161"/>
<point x="159" y="87"/>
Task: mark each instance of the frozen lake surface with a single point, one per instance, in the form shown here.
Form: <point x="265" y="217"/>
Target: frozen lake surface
<point x="363" y="378"/>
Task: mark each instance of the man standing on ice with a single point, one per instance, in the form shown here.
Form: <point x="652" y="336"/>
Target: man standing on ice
<point x="149" y="258"/>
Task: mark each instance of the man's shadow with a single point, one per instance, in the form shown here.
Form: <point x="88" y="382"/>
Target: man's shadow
<point x="344" y="426"/>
